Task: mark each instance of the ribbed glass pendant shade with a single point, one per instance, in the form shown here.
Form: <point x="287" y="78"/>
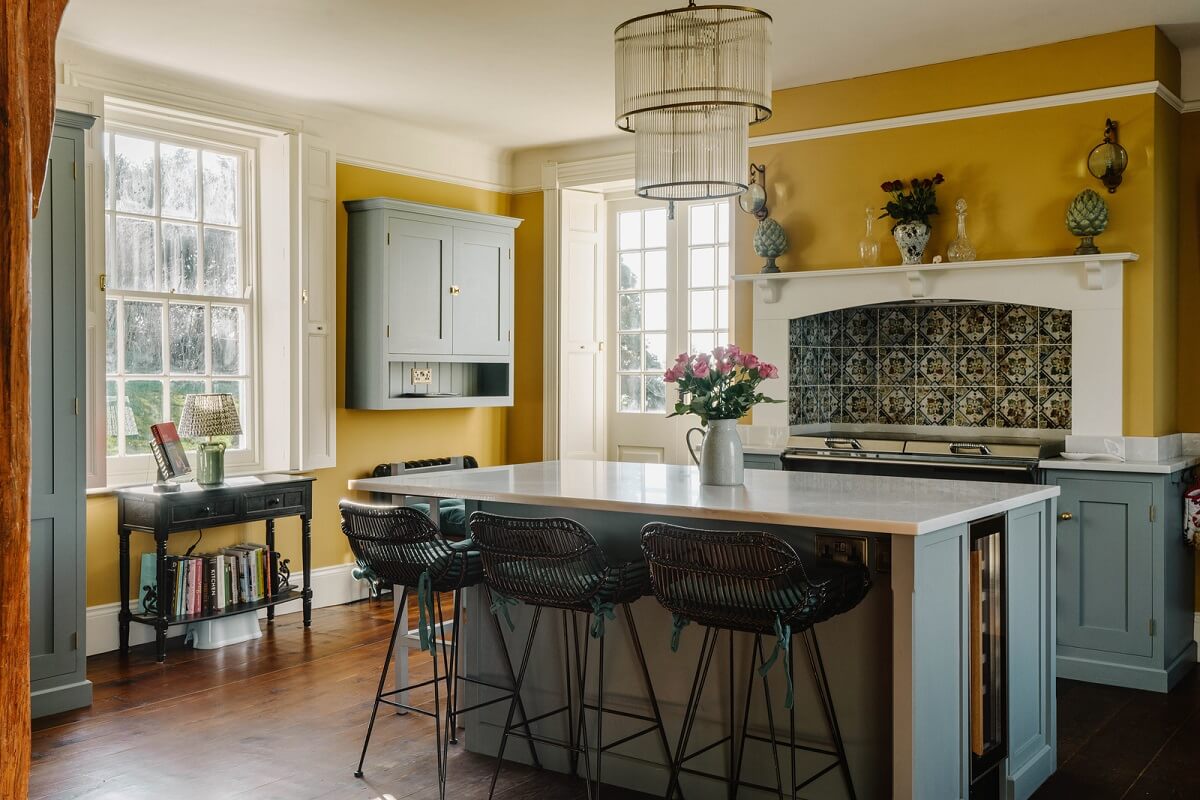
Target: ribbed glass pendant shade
<point x="689" y="83"/>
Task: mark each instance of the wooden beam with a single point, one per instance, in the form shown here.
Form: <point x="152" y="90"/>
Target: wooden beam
<point x="27" y="32"/>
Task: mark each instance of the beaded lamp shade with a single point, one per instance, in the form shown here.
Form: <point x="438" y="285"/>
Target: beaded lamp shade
<point x="210" y="415"/>
<point x="689" y="83"/>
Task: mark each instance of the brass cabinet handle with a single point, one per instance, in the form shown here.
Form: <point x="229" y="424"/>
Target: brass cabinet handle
<point x="1066" y="515"/>
<point x="454" y="290"/>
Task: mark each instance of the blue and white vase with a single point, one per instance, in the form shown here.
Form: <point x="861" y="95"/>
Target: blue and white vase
<point x="911" y="238"/>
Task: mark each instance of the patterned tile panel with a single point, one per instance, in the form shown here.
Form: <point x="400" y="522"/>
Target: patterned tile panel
<point x="963" y="364"/>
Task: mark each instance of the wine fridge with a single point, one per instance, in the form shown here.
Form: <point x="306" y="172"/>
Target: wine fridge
<point x="988" y="674"/>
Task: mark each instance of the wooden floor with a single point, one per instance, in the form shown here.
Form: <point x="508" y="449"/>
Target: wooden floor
<point x="283" y="717"/>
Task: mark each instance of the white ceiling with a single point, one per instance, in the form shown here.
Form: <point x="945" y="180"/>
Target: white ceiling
<point x="533" y="72"/>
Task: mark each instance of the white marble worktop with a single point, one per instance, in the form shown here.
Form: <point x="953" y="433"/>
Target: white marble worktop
<point x="865" y="503"/>
<point x="1166" y="466"/>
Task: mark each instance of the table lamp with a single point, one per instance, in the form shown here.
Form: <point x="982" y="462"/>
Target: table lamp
<point x="210" y="415"/>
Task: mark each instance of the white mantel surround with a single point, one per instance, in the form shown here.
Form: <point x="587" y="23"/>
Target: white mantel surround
<point x="1092" y="287"/>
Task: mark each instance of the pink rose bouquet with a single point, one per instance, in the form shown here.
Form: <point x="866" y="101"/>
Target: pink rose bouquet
<point x="722" y="384"/>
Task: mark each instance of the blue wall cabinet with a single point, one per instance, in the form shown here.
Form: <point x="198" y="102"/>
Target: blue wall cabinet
<point x="58" y="660"/>
<point x="1125" y="579"/>
<point x="761" y="461"/>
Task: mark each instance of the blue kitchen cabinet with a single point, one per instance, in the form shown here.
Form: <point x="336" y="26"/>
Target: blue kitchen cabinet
<point x="761" y="461"/>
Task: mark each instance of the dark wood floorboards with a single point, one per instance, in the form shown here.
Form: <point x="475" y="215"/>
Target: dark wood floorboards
<point x="283" y="717"/>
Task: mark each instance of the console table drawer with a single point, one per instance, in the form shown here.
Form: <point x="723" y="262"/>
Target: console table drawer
<point x="215" y="510"/>
<point x="275" y="502"/>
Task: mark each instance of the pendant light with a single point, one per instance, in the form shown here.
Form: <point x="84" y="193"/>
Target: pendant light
<point x="689" y="83"/>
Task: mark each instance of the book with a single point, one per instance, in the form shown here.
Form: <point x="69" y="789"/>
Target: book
<point x="168" y="450"/>
<point x="148" y="580"/>
<point x="167" y="600"/>
<point x="218" y="568"/>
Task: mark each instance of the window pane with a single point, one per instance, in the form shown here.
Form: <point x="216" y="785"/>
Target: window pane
<point x="630" y="271"/>
<point x="133" y="252"/>
<point x="227" y="340"/>
<point x="702" y="310"/>
<point x="110" y="336"/>
<point x="656" y="393"/>
<point x="722" y="308"/>
<point x="112" y="429"/>
<point x="630" y="393"/>
<point x="108" y="172"/>
<point x="656" y="269"/>
<point x="723" y="265"/>
<point x="143" y="337"/>
<point x="179" y="253"/>
<point x="238" y="390"/>
<point x="177" y="181"/>
<point x="656" y="352"/>
<point x="723" y="338"/>
<point x="629" y="225"/>
<point x="656" y="228"/>
<point x="630" y="316"/>
<point x="723" y="222"/>
<point x="656" y="311"/>
<point x="186" y="326"/>
<point x="179" y="392"/>
<point x="703" y="270"/>
<point x="221" y="263"/>
<point x="145" y="399"/>
<point x="701" y="225"/>
<point x="133" y="165"/>
<point x="220" y="189"/>
<point x="630" y="357"/>
<point x="702" y="342"/>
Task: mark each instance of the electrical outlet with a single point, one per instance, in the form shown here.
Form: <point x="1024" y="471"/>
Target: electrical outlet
<point x="420" y="376"/>
<point x="850" y="549"/>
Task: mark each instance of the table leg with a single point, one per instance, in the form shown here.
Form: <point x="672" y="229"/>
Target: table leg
<point x="123" y="587"/>
<point x="306" y="553"/>
<point x="161" y="624"/>
<point x="270" y="550"/>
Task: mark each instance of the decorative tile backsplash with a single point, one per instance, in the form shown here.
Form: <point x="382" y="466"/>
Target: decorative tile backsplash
<point x="968" y="365"/>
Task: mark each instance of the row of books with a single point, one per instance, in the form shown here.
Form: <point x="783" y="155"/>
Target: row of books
<point x="211" y="582"/>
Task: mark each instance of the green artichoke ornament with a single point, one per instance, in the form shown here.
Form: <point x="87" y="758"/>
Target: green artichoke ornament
<point x="770" y="242"/>
<point x="1087" y="216"/>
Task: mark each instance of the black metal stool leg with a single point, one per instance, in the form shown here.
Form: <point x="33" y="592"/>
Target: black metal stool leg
<point x="818" y="666"/>
<point x="599" y="719"/>
<point x="437" y="700"/>
<point x="382" y="681"/>
<point x="792" y="718"/>
<point x="770" y="719"/>
<point x="734" y="766"/>
<point x="737" y="773"/>
<point x="707" y="647"/>
<point x="512" y="677"/>
<point x="641" y="657"/>
<point x="512" y="706"/>
<point x="452" y="673"/>
<point x="581" y="665"/>
<point x="572" y="730"/>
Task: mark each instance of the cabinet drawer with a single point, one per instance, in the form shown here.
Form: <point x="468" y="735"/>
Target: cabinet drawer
<point x="216" y="510"/>
<point x="275" y="502"/>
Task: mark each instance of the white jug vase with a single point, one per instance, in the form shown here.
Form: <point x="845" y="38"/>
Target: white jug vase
<point x="720" y="460"/>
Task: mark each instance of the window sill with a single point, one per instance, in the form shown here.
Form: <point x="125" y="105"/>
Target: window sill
<point x="248" y="472"/>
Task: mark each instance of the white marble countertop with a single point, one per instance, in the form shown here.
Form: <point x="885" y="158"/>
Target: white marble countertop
<point x="870" y="504"/>
<point x="1164" y="467"/>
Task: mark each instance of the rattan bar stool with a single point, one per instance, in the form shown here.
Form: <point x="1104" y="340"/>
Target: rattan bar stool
<point x="556" y="564"/>
<point x="402" y="547"/>
<point x="753" y="583"/>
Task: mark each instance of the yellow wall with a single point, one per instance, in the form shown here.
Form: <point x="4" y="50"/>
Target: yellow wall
<point x="367" y="438"/>
<point x="1018" y="172"/>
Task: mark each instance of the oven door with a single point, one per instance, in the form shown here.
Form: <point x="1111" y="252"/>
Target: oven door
<point x="905" y="468"/>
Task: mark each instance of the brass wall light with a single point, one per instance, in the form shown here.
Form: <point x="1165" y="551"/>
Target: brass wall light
<point x="1108" y="159"/>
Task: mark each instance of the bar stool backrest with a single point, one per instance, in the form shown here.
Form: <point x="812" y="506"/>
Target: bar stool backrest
<point x="397" y="543"/>
<point x="548" y="562"/>
<point x="742" y="580"/>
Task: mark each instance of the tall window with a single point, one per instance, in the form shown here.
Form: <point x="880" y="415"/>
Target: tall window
<point x="672" y="293"/>
<point x="179" y="318"/>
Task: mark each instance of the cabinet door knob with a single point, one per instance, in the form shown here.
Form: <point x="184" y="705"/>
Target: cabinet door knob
<point x="274" y="501"/>
<point x="206" y="511"/>
<point x="1066" y="515"/>
<point x="454" y="290"/>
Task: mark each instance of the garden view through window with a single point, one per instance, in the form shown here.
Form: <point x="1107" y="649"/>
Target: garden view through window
<point x="178" y="317"/>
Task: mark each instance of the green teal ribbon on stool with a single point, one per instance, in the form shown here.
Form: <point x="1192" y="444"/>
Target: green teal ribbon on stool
<point x="426" y="612"/>
<point x="500" y="606"/>
<point x="678" y="623"/>
<point x="600" y="612"/>
<point x="783" y="643"/>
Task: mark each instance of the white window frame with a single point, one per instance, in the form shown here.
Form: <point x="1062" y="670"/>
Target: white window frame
<point x="679" y="290"/>
<point x="142" y="122"/>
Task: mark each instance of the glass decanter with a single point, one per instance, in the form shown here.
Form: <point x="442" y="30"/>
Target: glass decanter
<point x="960" y="249"/>
<point x="868" y="247"/>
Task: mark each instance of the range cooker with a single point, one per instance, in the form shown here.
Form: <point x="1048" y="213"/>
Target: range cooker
<point x="986" y="458"/>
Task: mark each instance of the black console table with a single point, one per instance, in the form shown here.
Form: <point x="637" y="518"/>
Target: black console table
<point x="265" y="497"/>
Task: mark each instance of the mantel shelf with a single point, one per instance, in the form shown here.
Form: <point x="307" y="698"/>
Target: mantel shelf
<point x="771" y="284"/>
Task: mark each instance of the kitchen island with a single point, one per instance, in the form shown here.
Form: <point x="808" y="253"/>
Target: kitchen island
<point x="900" y="663"/>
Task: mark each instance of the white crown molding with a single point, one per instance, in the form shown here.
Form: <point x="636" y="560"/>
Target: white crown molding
<point x="972" y="112"/>
<point x="1191" y="106"/>
<point x="431" y="175"/>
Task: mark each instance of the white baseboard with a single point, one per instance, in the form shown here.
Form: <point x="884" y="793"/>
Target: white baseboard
<point x="331" y="586"/>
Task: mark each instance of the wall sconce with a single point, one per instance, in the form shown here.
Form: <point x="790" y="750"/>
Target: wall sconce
<point x="1108" y="159"/>
<point x="754" y="199"/>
